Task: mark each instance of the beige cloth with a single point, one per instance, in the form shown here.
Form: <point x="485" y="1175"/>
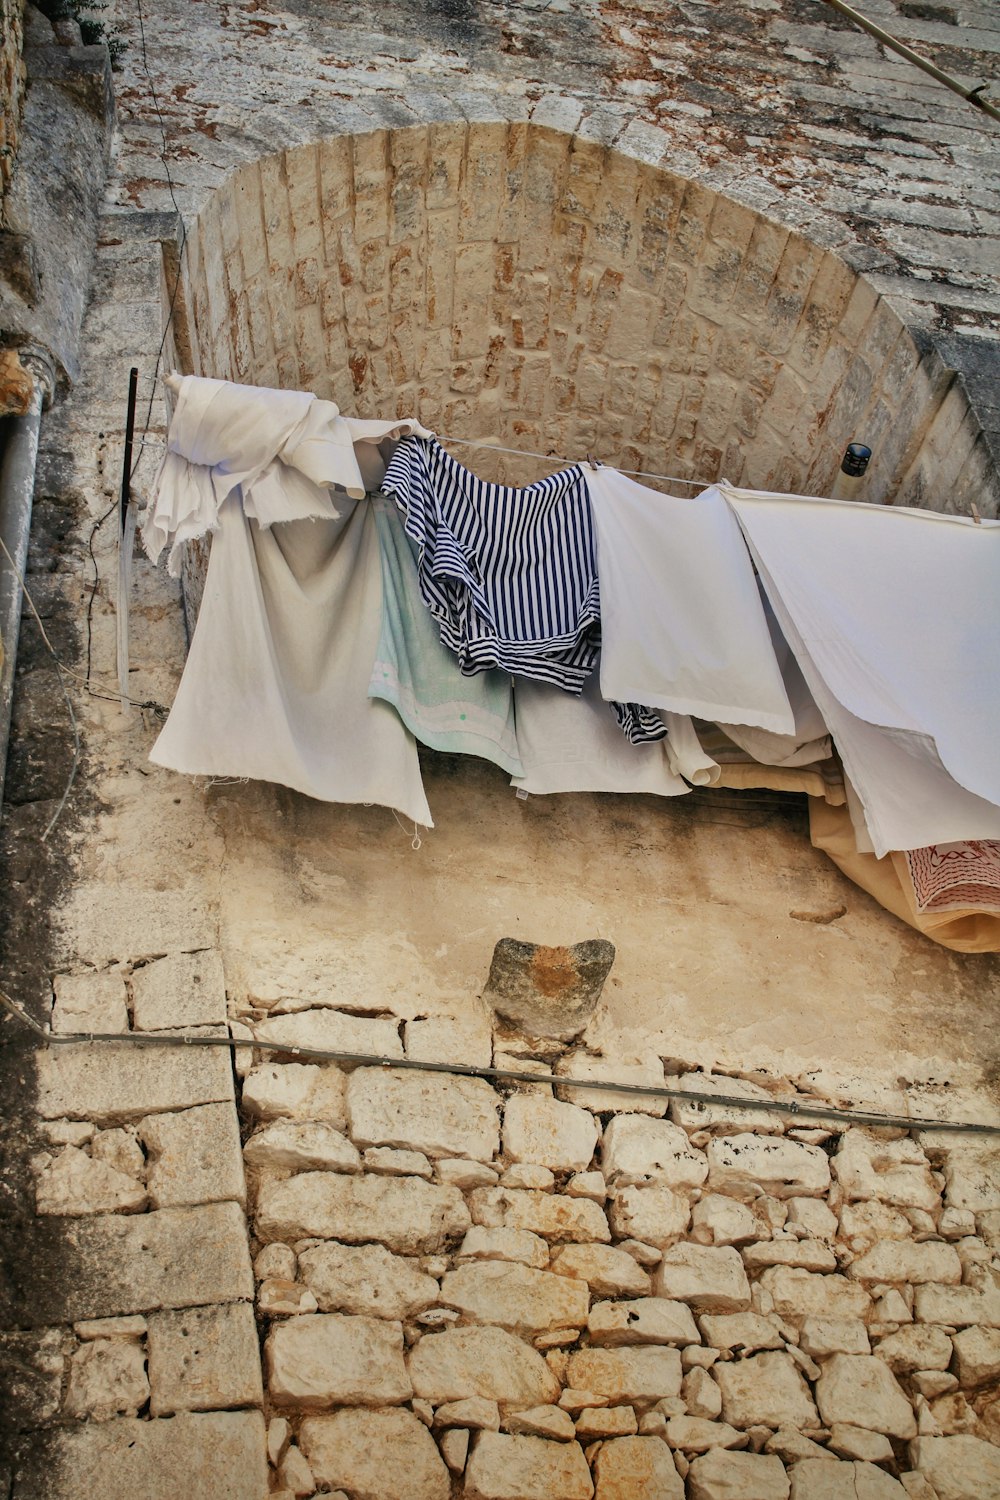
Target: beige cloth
<point x="888" y="880"/>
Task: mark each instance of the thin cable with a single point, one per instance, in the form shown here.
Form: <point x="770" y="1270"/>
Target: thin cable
<point x="502" y="1075"/>
<point x="183" y="241"/>
<point x="554" y="458"/>
<point x="65" y="692"/>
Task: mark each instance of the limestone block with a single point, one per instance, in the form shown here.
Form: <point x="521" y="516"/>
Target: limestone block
<point x="107" y="1378"/>
<point x="297" y="1091"/>
<point x="606" y="1422"/>
<point x="366" y="1280"/>
<point x="185" y="989"/>
<point x="475" y="1413"/>
<point x="548" y="991"/>
<point x="526" y="1468"/>
<point x="720" y="1475"/>
<point x="628" y="1467"/>
<point x="803" y="1294"/>
<point x="525" y="1174"/>
<point x="648" y="1073"/>
<point x="301" y="1146"/>
<point x="327" y="1360"/>
<point x="203" y="1358"/>
<point x="722" y="1119"/>
<point x="132" y="1327"/>
<point x="67" y="1132"/>
<point x="587" y="1185"/>
<point x="822" y="1336"/>
<point x="742" y="1164"/>
<point x="278" y="1298"/>
<point x="407" y="1215"/>
<point x="505" y="1244"/>
<point x="949" y="1414"/>
<point x="701" y="1395"/>
<point x="333" y="1031"/>
<point x="860" y="1443"/>
<point x="549" y="1133"/>
<point x="72" y="1183"/>
<point x="275" y="1261"/>
<point x="812" y="1479"/>
<point x="959" y="1306"/>
<point x="866" y="1224"/>
<point x="375" y="1455"/>
<point x="453" y="1039"/>
<point x="633" y="1374"/>
<point x="719" y="1220"/>
<point x="516" y="1297"/>
<point x="454" y="1447"/>
<point x="919" y="1346"/>
<point x="294" y="1473"/>
<point x="278" y="1433"/>
<point x="542" y="1421"/>
<point x="895" y="1172"/>
<point x="393" y="1163"/>
<point x="194" y="1156"/>
<point x="487" y="1362"/>
<point x="698" y="1435"/>
<point x="637" y="1151"/>
<point x="464" y="1174"/>
<point x="656" y="1215"/>
<point x="790" y="1446"/>
<point x="742" y="1332"/>
<point x="609" y="1271"/>
<point x="808" y="1255"/>
<point x="173" y="1257"/>
<point x="113" y="1082"/>
<point x="812" y="1215"/>
<point x="427" y="1112"/>
<point x="120" y="1149"/>
<point x="862" y="1391"/>
<point x="221" y="1454"/>
<point x="653" y="1320"/>
<point x="553" y="1216"/>
<point x="90" y="1002"/>
<point x="765" y="1389"/>
<point x="977" y="1356"/>
<point x="711" y="1280"/>
<point x="904" y="1261"/>
<point x="958" y="1468"/>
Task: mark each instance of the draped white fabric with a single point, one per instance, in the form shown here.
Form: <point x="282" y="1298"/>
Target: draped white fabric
<point x="682" y="625"/>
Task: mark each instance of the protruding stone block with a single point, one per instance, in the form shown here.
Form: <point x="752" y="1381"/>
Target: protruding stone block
<point x="548" y="992"/>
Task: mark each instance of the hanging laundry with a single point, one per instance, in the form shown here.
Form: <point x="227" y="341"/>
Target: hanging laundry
<point x="276" y="682"/>
<point x="685" y="755"/>
<point x="509" y="574"/>
<point x="949" y="877"/>
<point x="893" y="617"/>
<point x="421" y="678"/>
<point x="682" y="625"/>
<point x="571" y="743"/>
<point x="283" y="450"/>
<point x="739" y="771"/>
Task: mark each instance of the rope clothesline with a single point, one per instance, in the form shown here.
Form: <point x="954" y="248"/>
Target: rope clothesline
<point x="555" y="458"/>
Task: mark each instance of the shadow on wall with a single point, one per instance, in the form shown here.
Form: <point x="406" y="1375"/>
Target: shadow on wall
<point x="514" y="283"/>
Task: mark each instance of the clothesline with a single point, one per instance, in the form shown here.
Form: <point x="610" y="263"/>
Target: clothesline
<point x="554" y="458"/>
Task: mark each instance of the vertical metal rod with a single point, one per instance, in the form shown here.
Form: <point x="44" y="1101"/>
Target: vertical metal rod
<point x="133" y="382"/>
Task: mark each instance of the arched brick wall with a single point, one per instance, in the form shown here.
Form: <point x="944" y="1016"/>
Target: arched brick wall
<point x="515" y="283"/>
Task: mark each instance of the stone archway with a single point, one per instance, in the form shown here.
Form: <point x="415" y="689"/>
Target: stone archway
<point x="515" y="283"/>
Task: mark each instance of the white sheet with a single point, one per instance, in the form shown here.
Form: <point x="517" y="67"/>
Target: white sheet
<point x="282" y="449"/>
<point x="276" y="681"/>
<point x="682" y="625"/>
<point x="570" y="743"/>
<point x="894" y="618"/>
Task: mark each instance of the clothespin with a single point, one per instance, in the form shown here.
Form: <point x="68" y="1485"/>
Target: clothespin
<point x="975" y="513"/>
<point x="595" y="463"/>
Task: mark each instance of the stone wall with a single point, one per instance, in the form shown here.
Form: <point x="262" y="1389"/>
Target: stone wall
<point x="11" y="86"/>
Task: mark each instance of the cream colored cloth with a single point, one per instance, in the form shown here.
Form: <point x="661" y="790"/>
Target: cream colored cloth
<point x="284" y="451"/>
<point x="682" y="626"/>
<point x="894" y="618"/>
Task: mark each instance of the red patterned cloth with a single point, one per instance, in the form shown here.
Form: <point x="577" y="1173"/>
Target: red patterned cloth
<point x="947" y="877"/>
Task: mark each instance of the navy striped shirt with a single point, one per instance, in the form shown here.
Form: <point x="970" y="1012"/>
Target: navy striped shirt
<point x="510" y="575"/>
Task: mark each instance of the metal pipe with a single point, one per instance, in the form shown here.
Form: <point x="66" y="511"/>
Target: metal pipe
<point x="971" y="96"/>
<point x="17" y="488"/>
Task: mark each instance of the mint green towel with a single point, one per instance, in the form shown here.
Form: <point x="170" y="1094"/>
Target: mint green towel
<point x="421" y="678"/>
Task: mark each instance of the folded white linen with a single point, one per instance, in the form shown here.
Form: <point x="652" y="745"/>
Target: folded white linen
<point x="682" y="625"/>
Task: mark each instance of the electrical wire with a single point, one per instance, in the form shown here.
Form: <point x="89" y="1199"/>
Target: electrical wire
<point x="500" y="1075"/>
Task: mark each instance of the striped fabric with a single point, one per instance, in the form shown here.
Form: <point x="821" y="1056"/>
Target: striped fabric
<point x="510" y="575"/>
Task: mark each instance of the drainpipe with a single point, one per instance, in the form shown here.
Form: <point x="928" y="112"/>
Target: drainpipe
<point x="17" y="488"/>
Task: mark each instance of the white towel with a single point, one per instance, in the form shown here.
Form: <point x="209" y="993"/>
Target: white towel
<point x="682" y="625"/>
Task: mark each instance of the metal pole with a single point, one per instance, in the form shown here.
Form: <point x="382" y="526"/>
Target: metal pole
<point x="133" y="381"/>
<point x="971" y="96"/>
